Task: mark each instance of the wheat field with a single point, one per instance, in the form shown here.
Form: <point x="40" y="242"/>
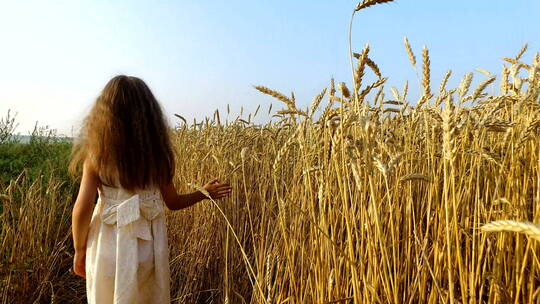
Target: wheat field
<point x="365" y="196"/>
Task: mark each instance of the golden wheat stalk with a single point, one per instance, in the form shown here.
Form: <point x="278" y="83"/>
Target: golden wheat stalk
<point x="481" y="87"/>
<point x="395" y="93"/>
<point x="344" y="90"/>
<point x="518" y="63"/>
<point x="405" y="90"/>
<point x="449" y="130"/>
<point x="527" y="228"/>
<point x="410" y="53"/>
<point x="521" y="52"/>
<point x="504" y="80"/>
<point x="415" y="176"/>
<point x="442" y="87"/>
<point x="488" y="74"/>
<point x="317" y="101"/>
<point x="372" y="86"/>
<point x="393" y="102"/>
<point x="391" y="110"/>
<point x="359" y="73"/>
<point x="371" y="64"/>
<point x="465" y="84"/>
<point x="332" y="87"/>
<point x="292" y="112"/>
<point x="426" y="73"/>
<point x="276" y="95"/>
<point x="368" y="3"/>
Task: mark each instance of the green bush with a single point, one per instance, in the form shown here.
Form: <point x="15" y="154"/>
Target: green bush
<point x="41" y="156"/>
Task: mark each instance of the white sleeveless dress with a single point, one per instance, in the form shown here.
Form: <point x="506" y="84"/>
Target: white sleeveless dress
<point x="127" y="255"/>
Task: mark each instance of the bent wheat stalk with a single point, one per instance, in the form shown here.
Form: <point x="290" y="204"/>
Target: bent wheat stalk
<point x="528" y="228"/>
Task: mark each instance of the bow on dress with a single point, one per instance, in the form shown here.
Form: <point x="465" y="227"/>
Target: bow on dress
<point x="135" y="211"/>
<point x="133" y="218"/>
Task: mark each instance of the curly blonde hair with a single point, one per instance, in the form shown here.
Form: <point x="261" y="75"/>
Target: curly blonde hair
<point x="125" y="138"/>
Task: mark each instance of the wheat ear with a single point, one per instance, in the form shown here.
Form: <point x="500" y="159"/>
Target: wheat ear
<point x="528" y="228"/>
<point x="521" y="52"/>
<point x="481" y="87"/>
<point x="368" y="3"/>
<point x="442" y="87"/>
<point x="426" y="73"/>
<point x="410" y="53"/>
<point x="276" y="95"/>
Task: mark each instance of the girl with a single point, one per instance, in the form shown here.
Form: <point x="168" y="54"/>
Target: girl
<point x="126" y="156"/>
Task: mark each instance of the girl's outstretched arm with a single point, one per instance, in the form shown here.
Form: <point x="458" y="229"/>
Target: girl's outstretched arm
<point x="174" y="201"/>
<point x="81" y="216"/>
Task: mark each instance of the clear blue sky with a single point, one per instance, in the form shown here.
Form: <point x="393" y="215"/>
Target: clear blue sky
<point x="55" y="56"/>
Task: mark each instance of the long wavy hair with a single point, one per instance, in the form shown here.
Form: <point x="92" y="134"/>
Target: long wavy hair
<point x="125" y="138"/>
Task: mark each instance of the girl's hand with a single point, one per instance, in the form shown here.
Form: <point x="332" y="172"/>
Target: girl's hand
<point x="217" y="189"/>
<point x="79" y="263"/>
